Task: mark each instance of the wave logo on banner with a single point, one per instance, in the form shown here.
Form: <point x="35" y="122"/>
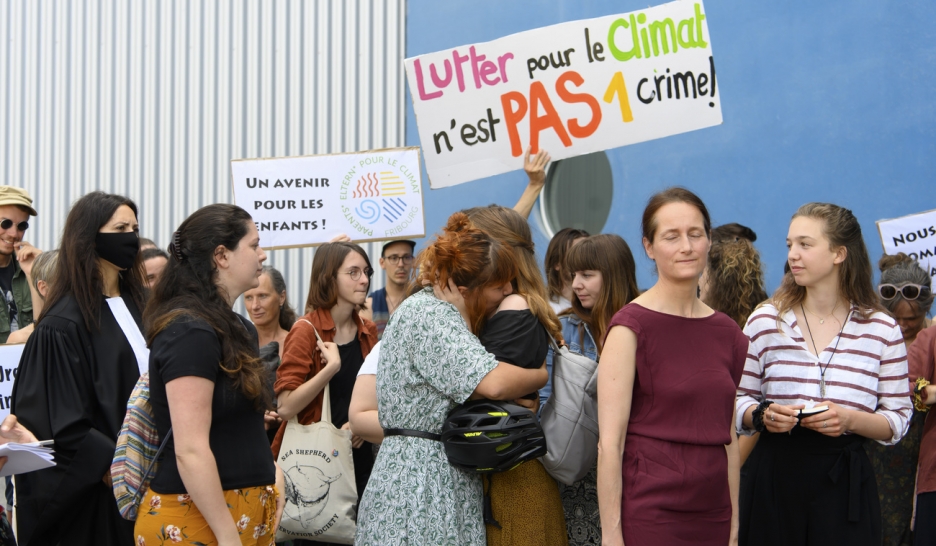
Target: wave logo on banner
<point x="381" y="200"/>
<point x="386" y="184"/>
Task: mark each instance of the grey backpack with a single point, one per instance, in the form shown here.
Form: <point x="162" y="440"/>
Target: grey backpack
<point x="570" y="416"/>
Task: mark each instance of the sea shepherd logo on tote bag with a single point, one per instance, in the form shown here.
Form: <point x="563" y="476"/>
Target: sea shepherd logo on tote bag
<point x="321" y="495"/>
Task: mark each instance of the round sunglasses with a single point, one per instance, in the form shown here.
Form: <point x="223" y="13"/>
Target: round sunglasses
<point x="6" y="223"/>
<point x="908" y="291"/>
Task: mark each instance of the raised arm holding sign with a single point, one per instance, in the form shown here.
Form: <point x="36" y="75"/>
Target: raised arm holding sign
<point x="535" y="167"/>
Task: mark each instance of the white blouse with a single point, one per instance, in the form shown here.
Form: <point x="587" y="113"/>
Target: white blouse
<point x="867" y="372"/>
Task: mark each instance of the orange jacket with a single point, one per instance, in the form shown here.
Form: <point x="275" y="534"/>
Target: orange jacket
<point x="301" y="361"/>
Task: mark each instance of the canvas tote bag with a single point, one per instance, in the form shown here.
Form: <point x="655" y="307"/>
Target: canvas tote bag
<point x="570" y="416"/>
<point x="321" y="495"/>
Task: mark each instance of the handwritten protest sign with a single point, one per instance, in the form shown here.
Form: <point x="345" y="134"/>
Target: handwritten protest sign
<point x="915" y="236"/>
<point x="9" y="364"/>
<point x="304" y="201"/>
<point x="572" y="89"/>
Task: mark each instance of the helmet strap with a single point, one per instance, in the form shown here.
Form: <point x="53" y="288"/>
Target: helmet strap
<point x="488" y="512"/>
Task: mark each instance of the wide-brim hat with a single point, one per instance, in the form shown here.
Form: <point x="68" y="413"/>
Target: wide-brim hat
<point x="11" y="195"/>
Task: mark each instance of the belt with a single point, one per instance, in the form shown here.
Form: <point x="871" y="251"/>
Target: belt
<point x="850" y="461"/>
<point x="412" y="433"/>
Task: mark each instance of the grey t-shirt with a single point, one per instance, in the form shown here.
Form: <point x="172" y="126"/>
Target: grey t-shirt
<point x="6" y="288"/>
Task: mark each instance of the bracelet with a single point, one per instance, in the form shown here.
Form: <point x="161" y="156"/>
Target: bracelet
<point x="919" y="395"/>
<point x="758" y="416"/>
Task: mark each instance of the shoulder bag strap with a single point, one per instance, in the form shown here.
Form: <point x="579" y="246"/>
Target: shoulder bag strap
<point x="326" y="398"/>
<point x="556" y="354"/>
<point x="149" y="469"/>
<point x="553" y="343"/>
<point x="310" y="324"/>
<point x="326" y="405"/>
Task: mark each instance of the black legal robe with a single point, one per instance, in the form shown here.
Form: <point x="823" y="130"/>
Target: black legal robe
<point x="72" y="386"/>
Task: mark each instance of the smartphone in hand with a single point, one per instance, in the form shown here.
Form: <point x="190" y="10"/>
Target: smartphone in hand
<point x="809" y="412"/>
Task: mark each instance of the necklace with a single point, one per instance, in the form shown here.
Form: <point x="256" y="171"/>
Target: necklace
<point x="391" y="305"/>
<point x="821" y="320"/>
<point x="822" y="370"/>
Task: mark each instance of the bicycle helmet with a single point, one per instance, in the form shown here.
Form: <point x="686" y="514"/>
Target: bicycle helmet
<point x="488" y="436"/>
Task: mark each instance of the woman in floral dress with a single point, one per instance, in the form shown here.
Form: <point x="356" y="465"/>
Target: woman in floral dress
<point x="429" y="363"/>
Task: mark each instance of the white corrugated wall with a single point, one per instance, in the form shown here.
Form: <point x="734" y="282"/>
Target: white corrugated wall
<point x="153" y="98"/>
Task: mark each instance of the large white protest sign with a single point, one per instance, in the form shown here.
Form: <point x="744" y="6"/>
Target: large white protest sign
<point x="572" y="89"/>
<point x="9" y="364"/>
<point x="304" y="201"/>
<point x="915" y="236"/>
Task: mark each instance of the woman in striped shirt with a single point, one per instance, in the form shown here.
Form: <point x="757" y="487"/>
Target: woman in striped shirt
<point x="822" y="341"/>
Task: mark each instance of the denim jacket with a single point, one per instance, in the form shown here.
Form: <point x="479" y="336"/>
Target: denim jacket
<point x="583" y="345"/>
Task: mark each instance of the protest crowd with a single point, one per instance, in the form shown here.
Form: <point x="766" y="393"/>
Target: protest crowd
<point x="726" y="415"/>
<point x="643" y="374"/>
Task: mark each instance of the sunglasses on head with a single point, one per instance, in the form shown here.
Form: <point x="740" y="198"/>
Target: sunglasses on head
<point x="908" y="291"/>
<point x="6" y="223"/>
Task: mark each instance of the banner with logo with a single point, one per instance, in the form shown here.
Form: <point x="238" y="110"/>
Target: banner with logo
<point x="571" y="89"/>
<point x="9" y="364"/>
<point x="304" y="201"/>
<point x="915" y="236"/>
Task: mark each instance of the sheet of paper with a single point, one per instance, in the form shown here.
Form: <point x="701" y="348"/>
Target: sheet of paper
<point x="22" y="458"/>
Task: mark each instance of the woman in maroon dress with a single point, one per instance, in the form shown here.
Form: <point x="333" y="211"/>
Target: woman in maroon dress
<point x="668" y="464"/>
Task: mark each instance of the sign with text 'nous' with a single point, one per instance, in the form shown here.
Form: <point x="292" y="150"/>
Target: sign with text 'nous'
<point x="572" y="89"/>
<point x="305" y="201"/>
<point x="915" y="236"/>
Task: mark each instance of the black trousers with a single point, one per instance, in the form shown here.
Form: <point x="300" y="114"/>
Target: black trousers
<point x="808" y="489"/>
<point x="924" y="530"/>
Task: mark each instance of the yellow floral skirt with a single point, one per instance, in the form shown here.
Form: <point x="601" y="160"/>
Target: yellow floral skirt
<point x="174" y="519"/>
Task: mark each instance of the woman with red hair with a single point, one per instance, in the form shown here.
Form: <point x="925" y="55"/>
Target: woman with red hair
<point x="430" y="362"/>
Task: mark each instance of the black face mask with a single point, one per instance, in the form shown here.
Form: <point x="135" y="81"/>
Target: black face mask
<point x="120" y="249"/>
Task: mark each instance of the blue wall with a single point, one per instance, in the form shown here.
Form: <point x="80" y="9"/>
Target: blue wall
<point x="822" y="101"/>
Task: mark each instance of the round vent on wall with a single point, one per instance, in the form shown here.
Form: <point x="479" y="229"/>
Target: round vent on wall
<point x="578" y="193"/>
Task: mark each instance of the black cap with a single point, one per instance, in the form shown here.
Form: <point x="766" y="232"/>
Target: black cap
<point x="412" y="245"/>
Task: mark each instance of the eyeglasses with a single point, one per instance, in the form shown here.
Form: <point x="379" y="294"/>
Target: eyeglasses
<point x="908" y="291"/>
<point x="394" y="259"/>
<point x="355" y="273"/>
<point x="22" y="226"/>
